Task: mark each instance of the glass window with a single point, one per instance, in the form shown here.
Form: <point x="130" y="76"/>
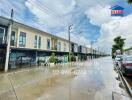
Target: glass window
<point x="64" y="46"/>
<point x="39" y="42"/>
<point x="22" y="39"/>
<point x="12" y="38"/>
<point x="59" y="46"/>
<point x="2" y="33"/>
<point x="35" y="41"/>
<point x="48" y="43"/>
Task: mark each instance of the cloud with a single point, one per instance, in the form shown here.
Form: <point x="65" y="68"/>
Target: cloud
<point x="61" y="11"/>
<point x="110" y="27"/>
<point x="49" y="13"/>
<point x="99" y="14"/>
<point x="86" y="4"/>
<point x="120" y="26"/>
<point x="17" y="6"/>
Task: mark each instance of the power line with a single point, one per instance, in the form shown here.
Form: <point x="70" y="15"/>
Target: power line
<point x="48" y="11"/>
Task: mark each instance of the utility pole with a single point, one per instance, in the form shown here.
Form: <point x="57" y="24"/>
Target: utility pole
<point x="69" y="38"/>
<point x="8" y="41"/>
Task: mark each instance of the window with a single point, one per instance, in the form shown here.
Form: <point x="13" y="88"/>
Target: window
<point x="75" y="48"/>
<point x="12" y="38"/>
<point x="59" y="46"/>
<point x="35" y="41"/>
<point x="48" y="43"/>
<point x="2" y="34"/>
<point x="22" y="39"/>
<point x="39" y="42"/>
<point x="64" y="46"/>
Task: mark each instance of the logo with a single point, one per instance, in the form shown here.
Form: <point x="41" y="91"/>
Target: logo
<point x="117" y="11"/>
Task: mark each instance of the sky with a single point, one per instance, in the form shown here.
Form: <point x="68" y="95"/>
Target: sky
<point x="91" y="19"/>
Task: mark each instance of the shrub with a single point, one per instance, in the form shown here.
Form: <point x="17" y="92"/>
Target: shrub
<point x="52" y="58"/>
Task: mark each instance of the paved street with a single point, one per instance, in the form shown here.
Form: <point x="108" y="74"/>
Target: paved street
<point x="90" y="80"/>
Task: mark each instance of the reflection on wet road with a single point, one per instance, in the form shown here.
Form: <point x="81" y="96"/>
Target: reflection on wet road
<point x="90" y="80"/>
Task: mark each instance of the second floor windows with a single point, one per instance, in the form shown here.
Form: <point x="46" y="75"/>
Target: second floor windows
<point x="65" y="47"/>
<point x="37" y="41"/>
<point x="59" y="46"/>
<point x="22" y="39"/>
<point x="12" y="38"/>
<point x="48" y="43"/>
<point x="2" y="34"/>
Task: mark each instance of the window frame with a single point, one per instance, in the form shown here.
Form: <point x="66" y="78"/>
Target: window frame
<point x="48" y="42"/>
<point x="39" y="42"/>
<point x="14" y="38"/>
<point x="3" y="38"/>
<point x="59" y="46"/>
<point x="22" y="43"/>
<point x="35" y="41"/>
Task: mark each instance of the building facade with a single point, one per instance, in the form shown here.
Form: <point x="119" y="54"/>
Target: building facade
<point x="26" y="41"/>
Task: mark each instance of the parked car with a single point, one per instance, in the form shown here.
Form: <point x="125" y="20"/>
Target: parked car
<point x="118" y="59"/>
<point x="126" y="65"/>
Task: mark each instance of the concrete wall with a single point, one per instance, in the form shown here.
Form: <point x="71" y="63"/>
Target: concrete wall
<point x="30" y="35"/>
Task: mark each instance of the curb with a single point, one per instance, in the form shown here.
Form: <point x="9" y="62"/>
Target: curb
<point x="123" y="80"/>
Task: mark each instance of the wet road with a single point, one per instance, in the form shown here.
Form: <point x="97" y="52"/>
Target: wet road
<point x="90" y="80"/>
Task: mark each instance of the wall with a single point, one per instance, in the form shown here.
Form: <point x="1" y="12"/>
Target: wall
<point x="30" y="35"/>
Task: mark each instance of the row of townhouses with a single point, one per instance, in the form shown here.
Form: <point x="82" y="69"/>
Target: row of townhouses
<point x="31" y="42"/>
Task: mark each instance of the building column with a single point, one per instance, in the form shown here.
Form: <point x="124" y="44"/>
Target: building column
<point x="8" y="48"/>
<point x="36" y="55"/>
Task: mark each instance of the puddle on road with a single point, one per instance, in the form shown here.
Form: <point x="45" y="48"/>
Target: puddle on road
<point x="40" y="88"/>
<point x="44" y="85"/>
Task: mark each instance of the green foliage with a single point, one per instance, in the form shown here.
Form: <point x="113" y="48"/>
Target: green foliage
<point x="52" y="58"/>
<point x="119" y="44"/>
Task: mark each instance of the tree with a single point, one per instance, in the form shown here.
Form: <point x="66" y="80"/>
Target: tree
<point x="119" y="44"/>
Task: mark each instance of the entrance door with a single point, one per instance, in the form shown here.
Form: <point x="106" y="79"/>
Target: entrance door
<point x="2" y="35"/>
